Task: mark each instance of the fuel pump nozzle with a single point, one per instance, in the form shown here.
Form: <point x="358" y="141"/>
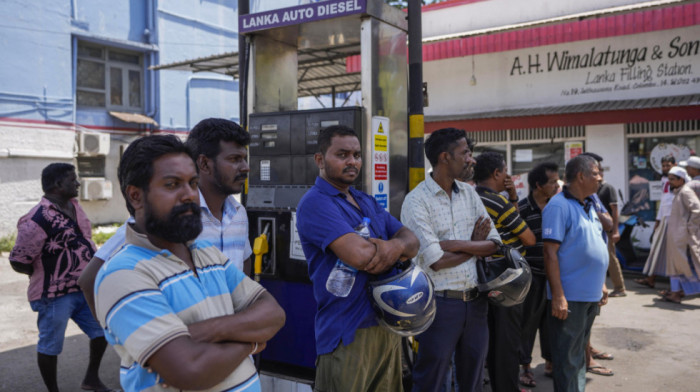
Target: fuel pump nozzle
<point x="260" y="247"/>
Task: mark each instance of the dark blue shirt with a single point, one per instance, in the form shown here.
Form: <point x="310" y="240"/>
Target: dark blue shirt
<point x="324" y="215"/>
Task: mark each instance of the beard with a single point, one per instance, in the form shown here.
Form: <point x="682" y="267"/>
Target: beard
<point x="175" y="227"/>
<point x="339" y="178"/>
<point x="227" y="189"/>
<point x="467" y="174"/>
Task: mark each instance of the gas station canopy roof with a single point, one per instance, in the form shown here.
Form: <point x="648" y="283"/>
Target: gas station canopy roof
<point x="320" y="70"/>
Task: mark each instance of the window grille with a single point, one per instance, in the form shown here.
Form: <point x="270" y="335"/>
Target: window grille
<point x="662" y="127"/>
<point x="575" y="132"/>
<point x="486" y="137"/>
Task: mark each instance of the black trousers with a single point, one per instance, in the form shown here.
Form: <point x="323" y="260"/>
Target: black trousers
<point x="534" y="318"/>
<point x="503" y="358"/>
<point x="459" y="328"/>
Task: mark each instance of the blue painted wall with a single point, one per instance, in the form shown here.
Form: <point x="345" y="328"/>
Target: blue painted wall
<point x="35" y="72"/>
<point x="37" y="46"/>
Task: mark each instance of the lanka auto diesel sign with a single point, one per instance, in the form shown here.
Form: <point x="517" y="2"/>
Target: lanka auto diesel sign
<point x="300" y="14"/>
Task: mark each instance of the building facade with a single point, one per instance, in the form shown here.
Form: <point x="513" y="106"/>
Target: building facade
<point x="544" y="80"/>
<point x="75" y="86"/>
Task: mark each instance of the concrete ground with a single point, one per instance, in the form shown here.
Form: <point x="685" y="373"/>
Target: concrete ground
<point x="656" y="344"/>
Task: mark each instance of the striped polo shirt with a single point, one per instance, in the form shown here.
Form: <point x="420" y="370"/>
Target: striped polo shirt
<point x="505" y="216"/>
<point x="146" y="297"/>
<point x="531" y="213"/>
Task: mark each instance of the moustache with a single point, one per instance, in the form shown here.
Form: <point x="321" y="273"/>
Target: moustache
<point x="240" y="177"/>
<point x="350" y="169"/>
<point x="187" y="207"/>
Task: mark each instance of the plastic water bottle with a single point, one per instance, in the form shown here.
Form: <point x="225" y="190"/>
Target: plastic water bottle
<point x="342" y="276"/>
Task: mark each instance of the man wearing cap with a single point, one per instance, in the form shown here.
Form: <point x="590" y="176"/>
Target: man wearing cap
<point x="692" y="166"/>
<point x="683" y="239"/>
<point x="656" y="262"/>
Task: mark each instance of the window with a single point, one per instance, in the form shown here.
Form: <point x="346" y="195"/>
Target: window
<point x="109" y="78"/>
<point x="644" y="168"/>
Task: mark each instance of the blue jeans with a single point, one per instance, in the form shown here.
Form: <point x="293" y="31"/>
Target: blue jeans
<point x="568" y="340"/>
<point x="54" y="314"/>
<point x="460" y="328"/>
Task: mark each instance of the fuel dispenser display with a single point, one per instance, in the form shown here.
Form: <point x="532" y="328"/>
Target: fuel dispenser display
<point x="282" y="169"/>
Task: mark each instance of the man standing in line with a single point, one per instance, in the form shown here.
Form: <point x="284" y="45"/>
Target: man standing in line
<point x="454" y="229"/>
<point x="607" y="195"/>
<point x="692" y="167"/>
<point x="219" y="148"/>
<point x="592" y="366"/>
<point x="683" y="236"/>
<point x="505" y="324"/>
<point x="656" y="261"/>
<point x="543" y="180"/>
<point x="576" y="260"/>
<point x="54" y="244"/>
<point x="179" y="313"/>
<point x="354" y="353"/>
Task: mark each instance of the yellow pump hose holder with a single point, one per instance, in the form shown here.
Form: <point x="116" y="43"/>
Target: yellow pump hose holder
<point x="260" y="247"/>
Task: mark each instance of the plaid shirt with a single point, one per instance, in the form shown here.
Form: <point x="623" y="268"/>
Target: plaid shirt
<point x="434" y="216"/>
<point x="230" y="234"/>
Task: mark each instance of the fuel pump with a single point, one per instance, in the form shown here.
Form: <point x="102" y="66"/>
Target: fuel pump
<point x="282" y="169"/>
<point x="339" y="46"/>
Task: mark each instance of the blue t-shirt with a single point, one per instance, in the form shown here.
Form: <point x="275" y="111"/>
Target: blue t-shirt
<point x="324" y="215"/>
<point x="583" y="255"/>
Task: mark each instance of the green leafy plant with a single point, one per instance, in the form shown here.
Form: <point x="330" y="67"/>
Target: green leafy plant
<point x="7" y="242"/>
<point x="100" y="234"/>
<point x="101" y="237"/>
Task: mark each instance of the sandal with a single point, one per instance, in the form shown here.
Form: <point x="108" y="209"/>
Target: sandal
<point x="664" y="293"/>
<point x="618" y="293"/>
<point x="602" y="355"/>
<point x="527" y="378"/>
<point x="644" y="282"/>
<point x="669" y="298"/>
<point x="599" y="370"/>
<point x="548" y="369"/>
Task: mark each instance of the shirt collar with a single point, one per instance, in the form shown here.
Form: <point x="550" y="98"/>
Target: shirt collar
<point x="481" y="188"/>
<point x="231" y="205"/>
<point x="532" y="203"/>
<point x="326" y="187"/>
<point x="588" y="201"/>
<point x="435" y="188"/>
<point x="141" y="240"/>
<point x="46" y="203"/>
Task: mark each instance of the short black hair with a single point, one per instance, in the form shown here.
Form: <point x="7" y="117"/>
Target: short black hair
<point x="538" y="174"/>
<point x="486" y="164"/>
<point x="326" y="134"/>
<point x="669" y="158"/>
<point x="594" y="156"/>
<point x="53" y="173"/>
<point x="470" y="143"/>
<point x="204" y="138"/>
<point x="580" y="164"/>
<point x="443" y="140"/>
<point x="136" y="165"/>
